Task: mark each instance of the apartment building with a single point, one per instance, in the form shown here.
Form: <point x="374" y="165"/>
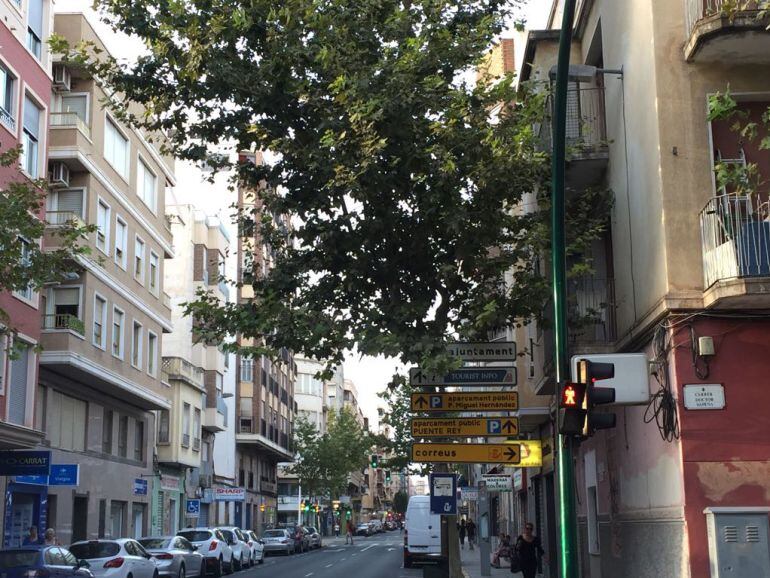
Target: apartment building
<point x="25" y="98"/>
<point x="265" y="399"/>
<point x="100" y="365"/>
<point x="682" y="268"/>
<point x="195" y="371"/>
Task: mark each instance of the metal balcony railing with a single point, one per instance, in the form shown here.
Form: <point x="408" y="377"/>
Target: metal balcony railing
<point x="70" y="120"/>
<point x="6" y="117"/>
<point x="178" y="368"/>
<point x="735" y="236"/>
<point x="591" y="309"/>
<point x="64" y="321"/>
<point x="698" y="9"/>
<point x="586" y="122"/>
<point x="60" y="218"/>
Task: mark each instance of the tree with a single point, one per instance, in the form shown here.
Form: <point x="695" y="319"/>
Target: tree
<point x="24" y="264"/>
<point x="400" y="502"/>
<point x="324" y="461"/>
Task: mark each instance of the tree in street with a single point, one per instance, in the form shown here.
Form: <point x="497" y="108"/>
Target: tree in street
<point x="400" y="502"/>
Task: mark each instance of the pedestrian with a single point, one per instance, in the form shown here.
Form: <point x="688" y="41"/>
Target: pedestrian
<point x="337" y="529"/>
<point x="503" y="550"/>
<point x="349" y="534"/>
<point x="461" y="531"/>
<point x="50" y="537"/>
<point x="33" y="538"/>
<point x="529" y="549"/>
<point x="470" y="527"/>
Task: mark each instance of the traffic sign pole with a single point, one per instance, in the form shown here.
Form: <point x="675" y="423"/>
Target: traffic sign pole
<point x="568" y="567"/>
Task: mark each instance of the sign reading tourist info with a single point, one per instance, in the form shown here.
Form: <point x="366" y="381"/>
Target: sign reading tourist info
<point x="465" y="453"/>
<point x="494" y="351"/>
<point x="464" y="427"/>
<point x="465" y="401"/>
<point x="467" y="376"/>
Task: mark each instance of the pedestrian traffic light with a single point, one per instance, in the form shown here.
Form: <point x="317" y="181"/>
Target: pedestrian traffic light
<point x="572" y="413"/>
<point x="374" y="462"/>
<point x="589" y="372"/>
<point x="348" y="515"/>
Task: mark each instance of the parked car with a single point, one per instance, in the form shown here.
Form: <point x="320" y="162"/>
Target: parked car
<point x="116" y="558"/>
<point x="314" y="538"/>
<point x="213" y="545"/>
<point x="237" y="541"/>
<point x="41" y="561"/>
<point x="279" y="540"/>
<point x="301" y="539"/>
<point x="364" y="529"/>
<point x="175" y="556"/>
<point x="376" y="526"/>
<point x="256" y="545"/>
<point x="422" y="535"/>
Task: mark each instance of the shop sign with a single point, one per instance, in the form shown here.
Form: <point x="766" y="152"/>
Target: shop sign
<point x="229" y="494"/>
<point x="169" y="483"/>
<point x="469" y="494"/>
<point x="140" y="487"/>
<point x="518" y="479"/>
<point x="497" y="483"/>
<point x="61" y="475"/>
<point x="25" y="463"/>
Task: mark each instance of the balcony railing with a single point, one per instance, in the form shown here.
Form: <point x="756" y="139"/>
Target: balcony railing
<point x="70" y="120"/>
<point x="178" y="368"/>
<point x="591" y="309"/>
<point x="699" y="9"/>
<point x="60" y="218"/>
<point x="64" y="321"/>
<point x="735" y="235"/>
<point x="6" y="117"/>
<point x="586" y="123"/>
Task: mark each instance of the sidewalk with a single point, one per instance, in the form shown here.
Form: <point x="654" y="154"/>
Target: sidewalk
<point x="471" y="562"/>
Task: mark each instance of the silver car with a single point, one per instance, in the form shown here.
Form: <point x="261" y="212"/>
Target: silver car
<point x="314" y="538"/>
<point x="175" y="556"/>
<point x="280" y="540"/>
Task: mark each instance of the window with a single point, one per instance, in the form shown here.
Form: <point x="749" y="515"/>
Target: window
<point x="136" y="346"/>
<point x="139" y="440"/>
<point x="107" y="423"/>
<point x="117" y="332"/>
<point x="3" y="361"/>
<point x="66" y="305"/>
<point x="197" y="429"/>
<point x="26" y="258"/>
<point x="247" y="370"/>
<point x="123" y="436"/>
<point x="186" y="425"/>
<point x="152" y="353"/>
<point x="18" y="383"/>
<point x="163" y="427"/>
<point x="66" y="427"/>
<point x="102" y="226"/>
<point x="146" y="185"/>
<point x="76" y="104"/>
<point x="100" y="320"/>
<point x="115" y="148"/>
<point x="139" y="260"/>
<point x="7" y="98"/>
<point x="154" y="272"/>
<point x="35" y="27"/>
<point x="121" y="242"/>
<point x="31" y="138"/>
<point x="67" y="202"/>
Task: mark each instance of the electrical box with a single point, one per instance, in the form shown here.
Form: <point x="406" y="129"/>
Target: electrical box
<point x="631" y="381"/>
<point x="738" y="544"/>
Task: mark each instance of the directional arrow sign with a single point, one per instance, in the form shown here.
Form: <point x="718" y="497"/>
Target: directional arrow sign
<point x="465" y="453"/>
<point x="466" y="401"/>
<point x="494" y="351"/>
<point x="466" y="376"/>
<point x="465" y="427"/>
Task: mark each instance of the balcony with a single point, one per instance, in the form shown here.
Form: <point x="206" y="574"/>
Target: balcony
<point x="63" y="322"/>
<point x="591" y="311"/>
<point x="69" y="120"/>
<point x="587" y="146"/>
<point x="215" y="416"/>
<point x="726" y="31"/>
<point x="62" y="218"/>
<point x="166" y="299"/>
<point x="248" y="435"/>
<point x="180" y="369"/>
<point x="735" y="237"/>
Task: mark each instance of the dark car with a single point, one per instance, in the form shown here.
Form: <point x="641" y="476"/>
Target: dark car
<point x="40" y="562"/>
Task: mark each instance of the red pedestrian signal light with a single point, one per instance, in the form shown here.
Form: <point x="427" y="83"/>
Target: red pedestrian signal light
<point x="569" y="395"/>
<point x="572" y="413"/>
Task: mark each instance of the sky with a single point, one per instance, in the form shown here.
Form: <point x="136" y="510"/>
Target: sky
<point x="370" y="374"/>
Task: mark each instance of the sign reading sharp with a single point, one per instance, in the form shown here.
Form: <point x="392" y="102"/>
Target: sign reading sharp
<point x="466" y="376"/>
<point x="495" y="351"/>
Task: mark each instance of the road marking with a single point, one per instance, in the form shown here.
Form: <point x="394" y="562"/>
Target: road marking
<point x="306" y="575"/>
<point x="365" y="549"/>
<point x="391" y="549"/>
<point x="329" y="565"/>
<point x="343" y="559"/>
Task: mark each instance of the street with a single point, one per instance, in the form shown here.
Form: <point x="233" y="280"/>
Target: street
<point x="378" y="556"/>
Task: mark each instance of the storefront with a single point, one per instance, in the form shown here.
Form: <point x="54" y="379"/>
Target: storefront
<point x="25" y="505"/>
<point x="168" y="503"/>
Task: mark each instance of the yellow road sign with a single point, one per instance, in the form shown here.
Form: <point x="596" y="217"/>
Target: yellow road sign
<point x="466" y="453"/>
<point x="531" y="453"/>
<point x="465" y="427"/>
<point x="466" y="401"/>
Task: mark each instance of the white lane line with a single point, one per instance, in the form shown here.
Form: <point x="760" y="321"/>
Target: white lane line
<point x="343" y="559"/>
<point x="368" y="547"/>
<point x="306" y="575"/>
<point x="329" y="565"/>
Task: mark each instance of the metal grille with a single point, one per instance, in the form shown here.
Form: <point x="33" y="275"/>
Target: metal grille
<point x="731" y="534"/>
<point x="752" y="534"/>
<point x="586" y="122"/>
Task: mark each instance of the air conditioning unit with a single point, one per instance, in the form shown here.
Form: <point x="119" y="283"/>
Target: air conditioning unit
<point x="205" y="480"/>
<point x="59" y="175"/>
<point x="62" y="79"/>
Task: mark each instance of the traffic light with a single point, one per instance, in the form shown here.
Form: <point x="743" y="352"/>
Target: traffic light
<point x="589" y="372"/>
<point x="348" y="515"/>
<point x="387" y="476"/>
<point x="374" y="461"/>
<point x="262" y="507"/>
<point x="572" y="413"/>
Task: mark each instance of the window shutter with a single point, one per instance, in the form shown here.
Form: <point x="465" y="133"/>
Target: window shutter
<point x="31" y="118"/>
<point x="70" y="201"/>
<point x="35" y="17"/>
<point x="17" y="394"/>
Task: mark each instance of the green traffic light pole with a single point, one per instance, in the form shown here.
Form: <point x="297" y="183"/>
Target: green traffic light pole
<point x="568" y="559"/>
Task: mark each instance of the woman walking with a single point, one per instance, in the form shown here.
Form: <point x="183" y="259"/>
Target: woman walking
<point x="470" y="527"/>
<point x="528" y="549"/>
<point x="461" y="531"/>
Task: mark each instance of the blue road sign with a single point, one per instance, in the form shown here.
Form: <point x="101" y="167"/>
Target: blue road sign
<point x="140" y="487"/>
<point x="61" y="475"/>
<point x="25" y="463"/>
<point x="443" y="494"/>
<point x="436" y="401"/>
<point x="193" y="508"/>
<point x="494" y="426"/>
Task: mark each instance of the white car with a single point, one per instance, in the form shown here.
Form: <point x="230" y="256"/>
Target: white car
<point x="238" y="542"/>
<point x="116" y="558"/>
<point x="256" y="545"/>
<point x="214" y="547"/>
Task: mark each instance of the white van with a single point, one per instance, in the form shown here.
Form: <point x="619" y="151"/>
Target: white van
<point x="422" y="536"/>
